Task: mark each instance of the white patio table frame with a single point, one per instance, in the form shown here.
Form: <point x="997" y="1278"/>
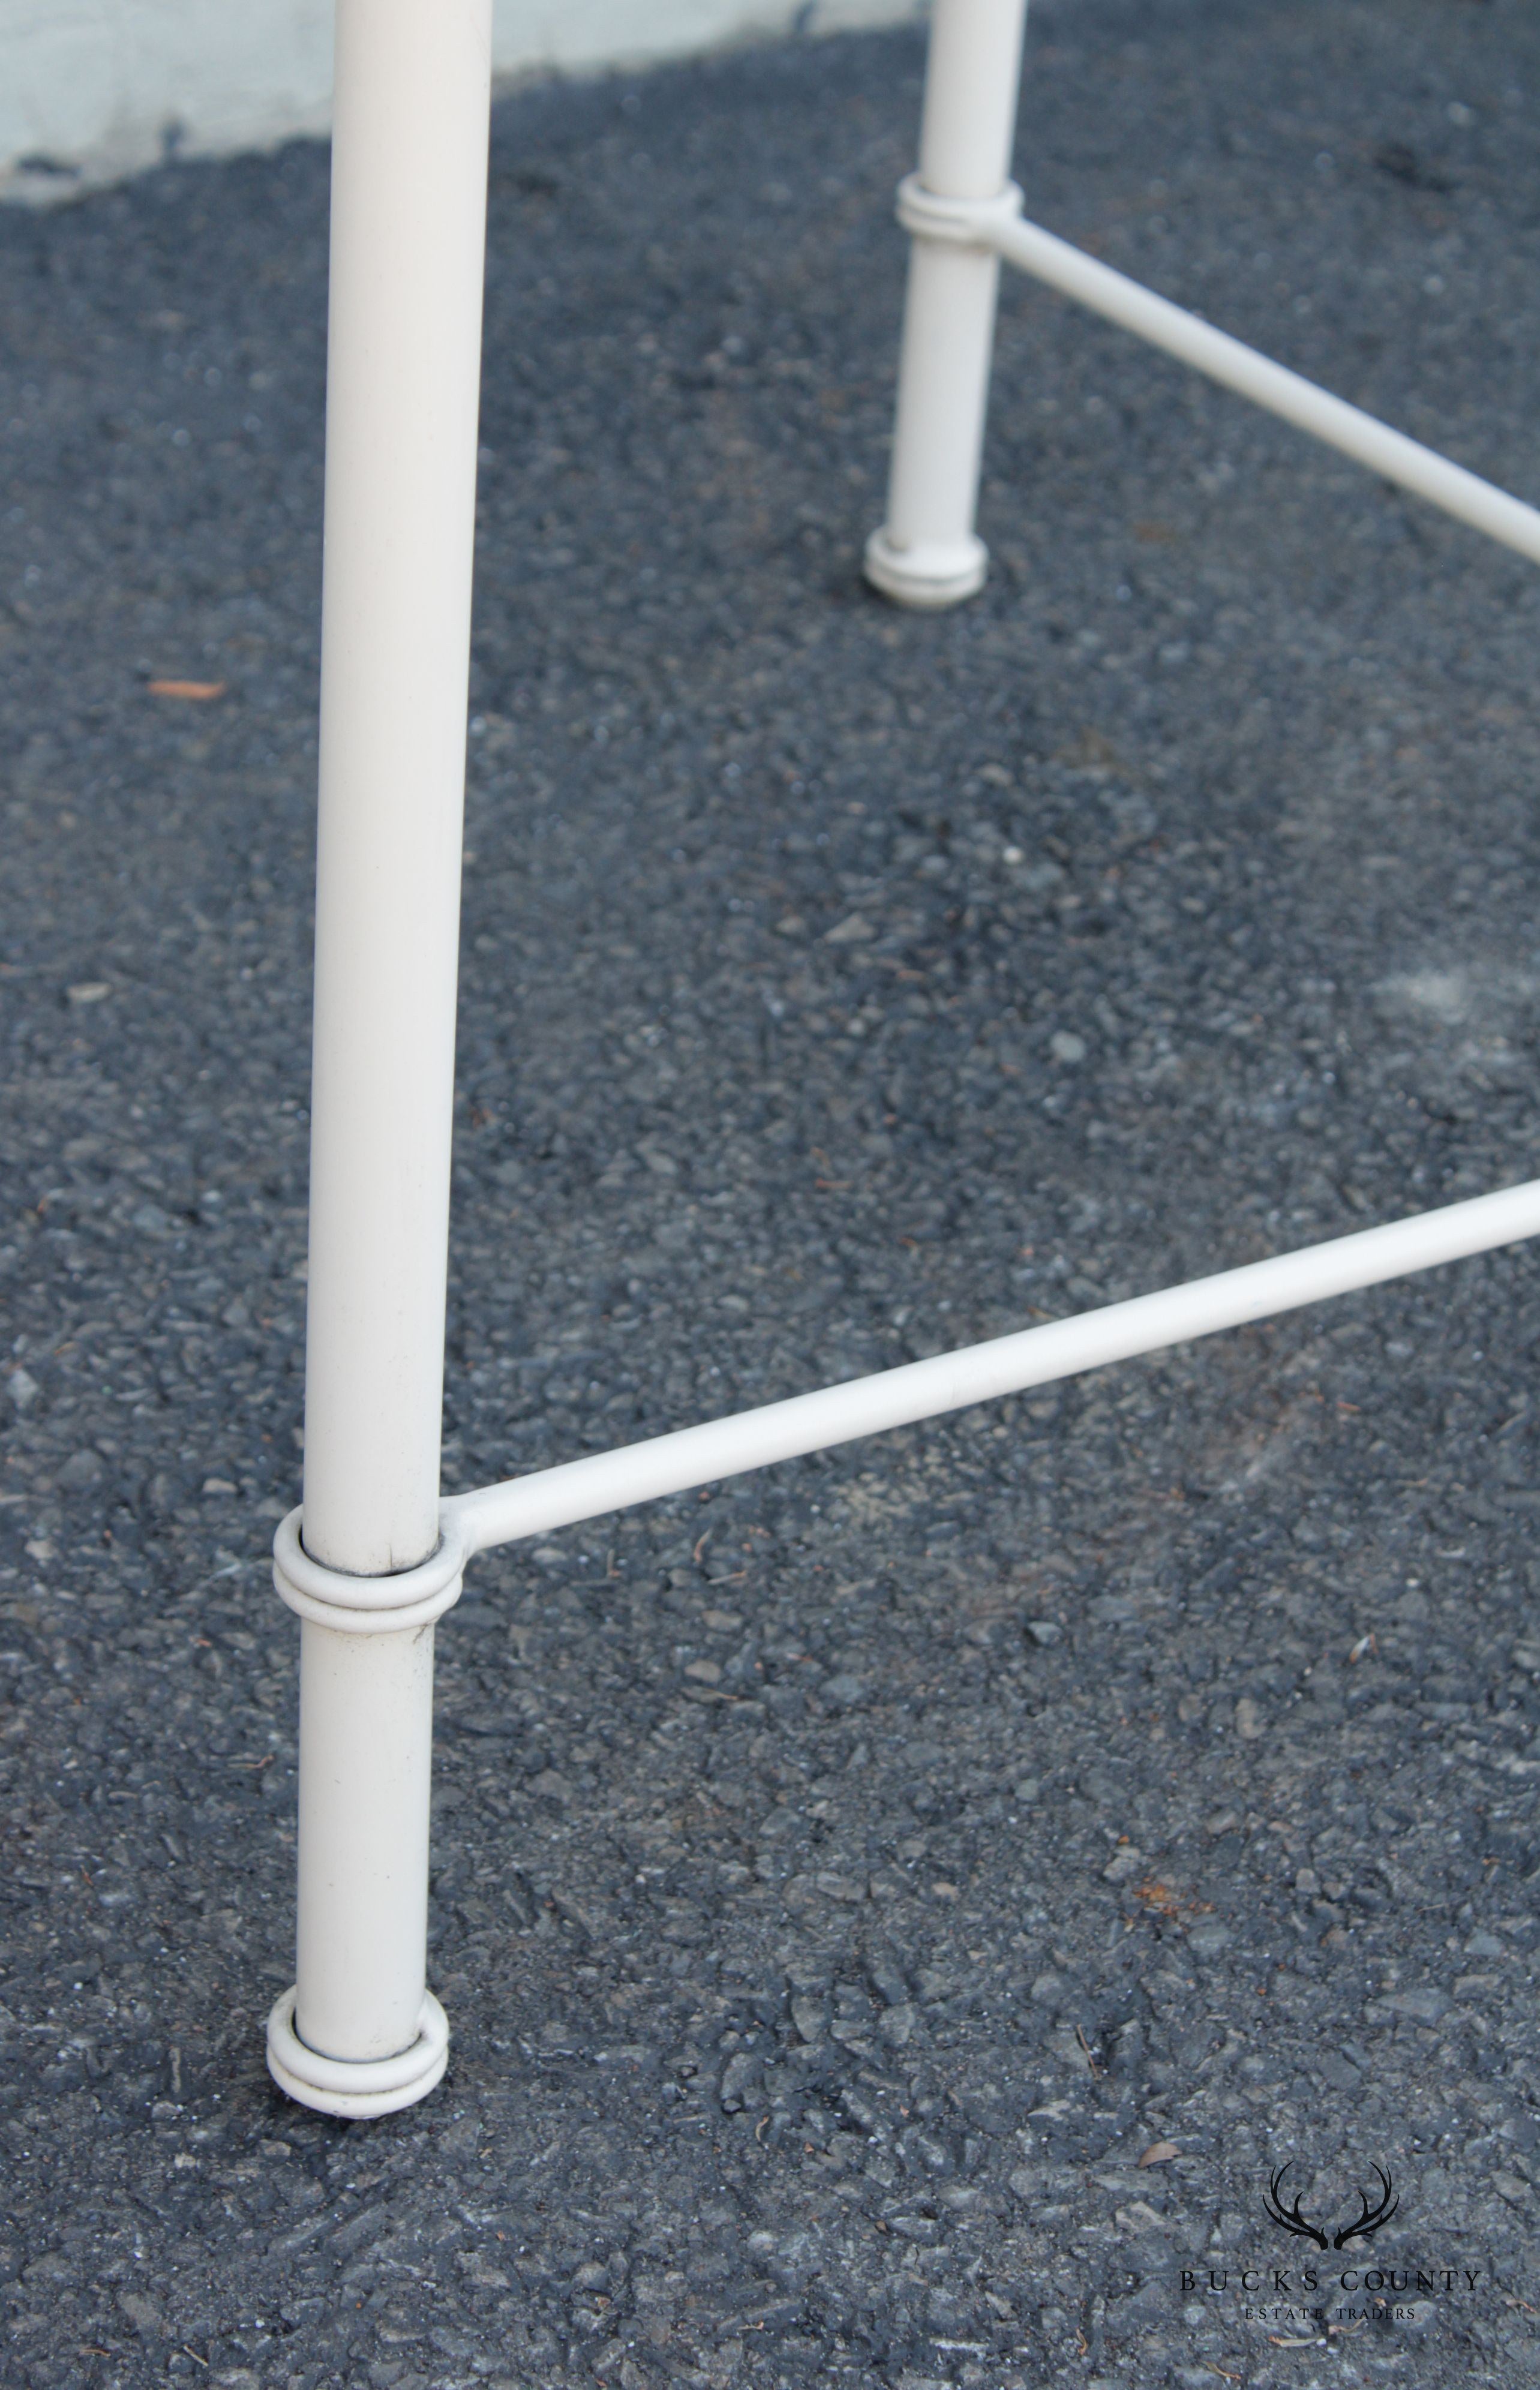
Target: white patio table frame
<point x="374" y="1556"/>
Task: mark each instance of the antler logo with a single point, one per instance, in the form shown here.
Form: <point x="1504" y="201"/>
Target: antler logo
<point x="1368" y="2220"/>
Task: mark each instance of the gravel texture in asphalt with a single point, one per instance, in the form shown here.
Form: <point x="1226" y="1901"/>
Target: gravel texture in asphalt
<point x="896" y="1913"/>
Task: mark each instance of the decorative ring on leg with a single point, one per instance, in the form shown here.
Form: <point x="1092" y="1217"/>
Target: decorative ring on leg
<point x="930" y="574"/>
<point x="367" y="1605"/>
<point x="365" y="2087"/>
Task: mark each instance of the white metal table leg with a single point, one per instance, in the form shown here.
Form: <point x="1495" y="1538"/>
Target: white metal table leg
<point x="360" y="2035"/>
<point x="928" y="553"/>
<point x="374" y="1559"/>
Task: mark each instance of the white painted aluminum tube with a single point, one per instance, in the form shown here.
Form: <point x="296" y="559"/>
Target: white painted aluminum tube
<point x="366" y="1760"/>
<point x="927" y="554"/>
<point x="700" y="1455"/>
<point x="359" y="2034"/>
<point x="1367" y="441"/>
<point x="408" y="234"/>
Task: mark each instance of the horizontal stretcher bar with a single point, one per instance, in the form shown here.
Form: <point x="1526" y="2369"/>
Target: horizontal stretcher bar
<point x="1360" y="436"/>
<point x="1035" y="1357"/>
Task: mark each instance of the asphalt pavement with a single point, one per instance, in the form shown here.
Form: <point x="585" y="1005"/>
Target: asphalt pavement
<point x="900" y="1913"/>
